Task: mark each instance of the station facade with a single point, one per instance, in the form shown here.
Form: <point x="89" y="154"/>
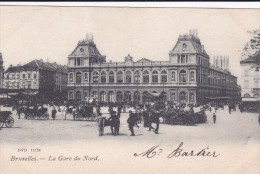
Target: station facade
<point x="187" y="77"/>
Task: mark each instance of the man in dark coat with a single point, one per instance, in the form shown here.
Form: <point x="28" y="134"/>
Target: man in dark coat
<point x="131" y="123"/>
<point x="115" y="123"/>
<point x="53" y="113"/>
<point x="214" y="118"/>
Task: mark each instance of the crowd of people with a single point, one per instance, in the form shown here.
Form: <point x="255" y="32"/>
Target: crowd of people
<point x="147" y="114"/>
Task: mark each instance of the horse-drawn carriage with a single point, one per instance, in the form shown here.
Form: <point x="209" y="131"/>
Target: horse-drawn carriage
<point x="6" y="118"/>
<point x="85" y="113"/>
<point x="34" y="114"/>
<point x="184" y="117"/>
<point x="113" y="123"/>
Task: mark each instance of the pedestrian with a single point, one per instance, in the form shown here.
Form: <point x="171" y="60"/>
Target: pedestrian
<point x="210" y="109"/>
<point x="259" y="119"/>
<point x="65" y="109"/>
<point x="214" y="118"/>
<point x="131" y="123"/>
<point x="53" y="113"/>
<point x="74" y="112"/>
<point x="18" y="110"/>
<point x="229" y="109"/>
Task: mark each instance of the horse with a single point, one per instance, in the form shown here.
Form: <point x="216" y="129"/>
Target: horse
<point x="154" y="118"/>
<point x="113" y="123"/>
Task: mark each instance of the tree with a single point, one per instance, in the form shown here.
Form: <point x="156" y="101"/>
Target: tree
<point x="252" y="49"/>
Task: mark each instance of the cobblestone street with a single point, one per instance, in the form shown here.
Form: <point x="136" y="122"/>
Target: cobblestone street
<point x="232" y="136"/>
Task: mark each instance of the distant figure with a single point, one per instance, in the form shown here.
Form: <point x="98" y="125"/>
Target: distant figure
<point x="259" y="119"/>
<point x="214" y="118"/>
<point x="65" y="112"/>
<point x="74" y="112"/>
<point x="53" y="113"/>
<point x="131" y="123"/>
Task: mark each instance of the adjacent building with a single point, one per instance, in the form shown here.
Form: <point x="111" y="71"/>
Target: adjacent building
<point x="44" y="79"/>
<point x="187" y="76"/>
<point x="250" y="78"/>
<point x="1" y="70"/>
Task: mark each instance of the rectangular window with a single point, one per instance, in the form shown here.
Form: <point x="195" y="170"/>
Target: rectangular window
<point x="120" y="78"/>
<point x="29" y="76"/>
<point x="85" y="77"/>
<point x="256" y="83"/>
<point x="192" y="97"/>
<point x="111" y="79"/>
<point x="164" y="79"/>
<point x="103" y="79"/>
<point x="146" y="79"/>
<point x="182" y="58"/>
<point x="155" y="79"/>
<point x="95" y="79"/>
<point x="246" y="73"/>
<point x="128" y="79"/>
<point x="23" y="76"/>
<point x="246" y="84"/>
<point x="35" y="76"/>
<point x="173" y="96"/>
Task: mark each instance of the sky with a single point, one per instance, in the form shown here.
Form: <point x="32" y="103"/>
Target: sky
<point x="52" y="33"/>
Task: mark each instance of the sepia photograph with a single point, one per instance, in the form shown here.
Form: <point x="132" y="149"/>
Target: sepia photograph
<point x="124" y="89"/>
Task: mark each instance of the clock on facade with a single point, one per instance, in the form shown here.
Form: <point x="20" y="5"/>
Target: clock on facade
<point x="81" y="49"/>
<point x="184" y="46"/>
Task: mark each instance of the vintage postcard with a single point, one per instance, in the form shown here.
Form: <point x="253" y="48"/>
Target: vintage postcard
<point x="129" y="90"/>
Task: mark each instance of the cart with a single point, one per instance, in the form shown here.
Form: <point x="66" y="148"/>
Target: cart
<point x="6" y="119"/>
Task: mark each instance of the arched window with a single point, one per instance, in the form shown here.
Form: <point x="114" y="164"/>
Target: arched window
<point x="191" y="97"/>
<point x="111" y="96"/>
<point x="192" y="76"/>
<point x="137" y="96"/>
<point x="71" y="77"/>
<point x="164" y="96"/>
<point x="94" y="94"/>
<point x="146" y="76"/>
<point x="78" y="77"/>
<point x="103" y="77"/>
<point x="78" y="95"/>
<point x="128" y="77"/>
<point x="146" y="97"/>
<point x="247" y="95"/>
<point x="120" y="77"/>
<point x="71" y="95"/>
<point x="85" y="76"/>
<point x="137" y="77"/>
<point x="95" y="77"/>
<point x="119" y="96"/>
<point x="183" y="76"/>
<point x="164" y="76"/>
<point x="182" y="97"/>
<point x="128" y="96"/>
<point x="155" y="76"/>
<point x="173" y="76"/>
<point x="111" y="77"/>
<point x="103" y="96"/>
<point x="173" y="96"/>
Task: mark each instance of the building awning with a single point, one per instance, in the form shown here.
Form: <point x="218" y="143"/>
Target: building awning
<point x="153" y="94"/>
<point x="12" y="94"/>
<point x="217" y="98"/>
<point x="30" y="93"/>
<point x="250" y="99"/>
